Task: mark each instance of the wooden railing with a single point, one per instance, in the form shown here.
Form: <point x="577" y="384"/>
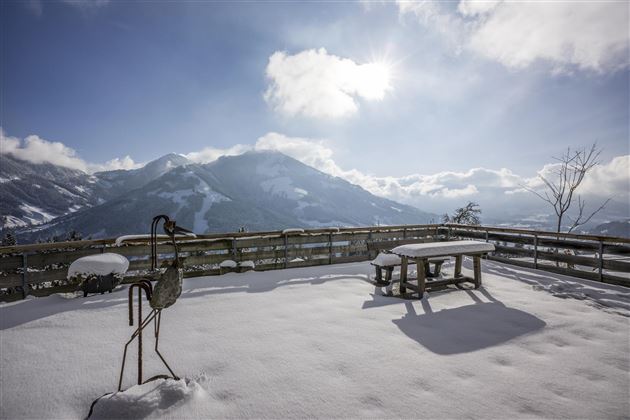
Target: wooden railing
<point x="40" y="269"/>
<point x="600" y="258"/>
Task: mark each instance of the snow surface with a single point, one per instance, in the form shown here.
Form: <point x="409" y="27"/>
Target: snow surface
<point x="292" y="230"/>
<point x="442" y="248"/>
<point x="99" y="264"/>
<point x="228" y="264"/>
<point x="248" y="264"/>
<point x="322" y="342"/>
<point x="38" y="215"/>
<point x="119" y="241"/>
<point x="385" y="260"/>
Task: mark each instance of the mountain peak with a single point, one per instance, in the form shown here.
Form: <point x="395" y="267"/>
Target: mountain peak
<point x="169" y="160"/>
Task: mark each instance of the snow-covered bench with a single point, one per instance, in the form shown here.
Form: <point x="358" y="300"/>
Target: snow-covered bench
<point x="229" y="266"/>
<point x="98" y="273"/>
<point x="420" y="254"/>
<point x="388" y="261"/>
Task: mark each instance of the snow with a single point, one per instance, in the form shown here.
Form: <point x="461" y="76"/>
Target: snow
<point x="99" y="264"/>
<point x="153" y="399"/>
<point x="247" y="264"/>
<point x="11" y="222"/>
<point x="36" y="214"/>
<point x="323" y="342"/>
<point x="442" y="248"/>
<point x="5" y="180"/>
<point x="74" y="208"/>
<point x="201" y="188"/>
<point x="292" y="230"/>
<point x="228" y="264"/>
<point x="200" y="223"/>
<point x="119" y="241"/>
<point x="300" y="191"/>
<point x="385" y="260"/>
<point x="64" y="191"/>
<point x="283" y="186"/>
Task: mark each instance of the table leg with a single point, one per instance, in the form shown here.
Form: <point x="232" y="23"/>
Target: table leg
<point x="458" y="266"/>
<point x="403" y="274"/>
<point x="422" y="275"/>
<point x="427" y="269"/>
<point x="388" y="274"/>
<point x="477" y="270"/>
<point x="379" y="274"/>
<point x="438" y="268"/>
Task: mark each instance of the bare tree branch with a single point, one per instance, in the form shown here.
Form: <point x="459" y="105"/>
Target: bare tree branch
<point x="578" y="221"/>
<point x="567" y="175"/>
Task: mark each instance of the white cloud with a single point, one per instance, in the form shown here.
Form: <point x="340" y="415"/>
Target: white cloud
<point x="311" y="152"/>
<point x="37" y="150"/>
<point x="590" y="35"/>
<point x="316" y="84"/>
<point x="125" y="163"/>
<point x="444" y="184"/>
<point x="498" y="190"/>
<point x="210" y="154"/>
<point x="610" y="179"/>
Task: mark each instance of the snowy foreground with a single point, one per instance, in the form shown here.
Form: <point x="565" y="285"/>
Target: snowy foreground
<point x="323" y="342"/>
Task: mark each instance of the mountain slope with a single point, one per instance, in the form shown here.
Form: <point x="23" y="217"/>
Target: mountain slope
<point x="256" y="190"/>
<point x="32" y="194"/>
<point x="127" y="180"/>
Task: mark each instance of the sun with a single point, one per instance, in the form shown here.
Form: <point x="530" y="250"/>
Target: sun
<point x="375" y="79"/>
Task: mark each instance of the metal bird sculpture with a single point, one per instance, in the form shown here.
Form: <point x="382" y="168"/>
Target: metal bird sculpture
<point x="165" y="293"/>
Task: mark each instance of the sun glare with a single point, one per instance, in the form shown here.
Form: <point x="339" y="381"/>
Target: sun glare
<point x="375" y="79"/>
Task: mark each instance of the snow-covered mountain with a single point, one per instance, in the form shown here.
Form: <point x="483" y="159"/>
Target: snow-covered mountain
<point x="255" y="190"/>
<point x="127" y="180"/>
<point x="614" y="228"/>
<point x="32" y="194"/>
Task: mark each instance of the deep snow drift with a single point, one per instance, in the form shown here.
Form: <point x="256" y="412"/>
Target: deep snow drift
<point x="324" y="342"/>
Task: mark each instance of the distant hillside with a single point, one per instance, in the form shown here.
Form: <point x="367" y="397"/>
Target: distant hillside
<point x="256" y="190"/>
<point x="617" y="228"/>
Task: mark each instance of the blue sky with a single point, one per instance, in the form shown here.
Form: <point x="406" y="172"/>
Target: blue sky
<point x="111" y="79"/>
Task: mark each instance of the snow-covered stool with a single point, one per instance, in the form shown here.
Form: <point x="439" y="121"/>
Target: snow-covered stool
<point x="244" y="266"/>
<point x="227" y="266"/>
<point x="98" y="273"/>
<point x="386" y="261"/>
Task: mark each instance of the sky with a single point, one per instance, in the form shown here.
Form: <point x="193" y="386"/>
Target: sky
<point x="430" y="103"/>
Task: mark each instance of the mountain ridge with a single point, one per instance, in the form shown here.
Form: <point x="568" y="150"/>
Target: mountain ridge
<point x="257" y="190"/>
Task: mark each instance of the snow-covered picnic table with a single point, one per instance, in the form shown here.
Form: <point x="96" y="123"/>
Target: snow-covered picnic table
<point x="420" y="254"/>
<point x="388" y="261"/>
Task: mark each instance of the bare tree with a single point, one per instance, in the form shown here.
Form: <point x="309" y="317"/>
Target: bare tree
<point x="467" y="215"/>
<point x="561" y="185"/>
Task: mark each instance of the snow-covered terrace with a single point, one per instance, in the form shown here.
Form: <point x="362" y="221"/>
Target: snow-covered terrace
<point x="324" y="342"/>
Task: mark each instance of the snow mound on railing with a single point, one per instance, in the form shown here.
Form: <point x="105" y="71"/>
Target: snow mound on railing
<point x="99" y="264"/>
<point x="156" y="399"/>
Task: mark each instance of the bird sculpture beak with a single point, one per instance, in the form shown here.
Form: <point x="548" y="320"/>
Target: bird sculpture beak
<point x="182" y="231"/>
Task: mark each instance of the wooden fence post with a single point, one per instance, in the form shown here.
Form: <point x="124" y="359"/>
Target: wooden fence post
<point x="286" y="250"/>
<point x="24" y="273"/>
<point x="601" y="261"/>
<point x="535" y="251"/>
<point x="330" y="242"/>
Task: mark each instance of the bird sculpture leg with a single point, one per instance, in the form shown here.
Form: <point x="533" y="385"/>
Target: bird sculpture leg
<point x="158" y="319"/>
<point x="135" y="334"/>
<point x="142" y="323"/>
